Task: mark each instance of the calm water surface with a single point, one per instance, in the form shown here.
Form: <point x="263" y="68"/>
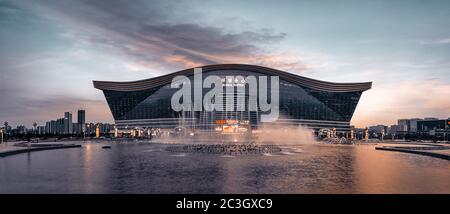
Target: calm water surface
<point x="148" y="168"/>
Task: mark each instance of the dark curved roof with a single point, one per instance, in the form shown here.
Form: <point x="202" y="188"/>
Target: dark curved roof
<point x="299" y="80"/>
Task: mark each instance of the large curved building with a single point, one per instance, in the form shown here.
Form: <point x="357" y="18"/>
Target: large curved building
<point x="303" y="101"/>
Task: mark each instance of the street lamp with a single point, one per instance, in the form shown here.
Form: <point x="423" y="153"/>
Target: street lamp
<point x="89" y="128"/>
<point x="84" y="131"/>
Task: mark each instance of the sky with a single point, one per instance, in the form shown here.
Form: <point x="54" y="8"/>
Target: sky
<point x="50" y="51"/>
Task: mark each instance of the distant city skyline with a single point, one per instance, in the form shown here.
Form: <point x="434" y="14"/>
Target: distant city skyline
<point x="62" y="125"/>
<point x="52" y="50"/>
<point x="82" y="117"/>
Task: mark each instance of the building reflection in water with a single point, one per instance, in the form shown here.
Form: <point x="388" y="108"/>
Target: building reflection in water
<point x="149" y="168"/>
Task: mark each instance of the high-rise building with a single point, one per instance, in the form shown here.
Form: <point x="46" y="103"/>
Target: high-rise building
<point x="392" y="129"/>
<point x="68" y="123"/>
<point x="81" y="121"/>
<point x="60" y="125"/>
<point x="48" y="127"/>
<point x="41" y="130"/>
<point x="75" y="128"/>
<point x="413" y="124"/>
<point x="378" y="129"/>
<point x="53" y="127"/>
<point x="403" y="125"/>
<point x="429" y="125"/>
<point x="90" y="128"/>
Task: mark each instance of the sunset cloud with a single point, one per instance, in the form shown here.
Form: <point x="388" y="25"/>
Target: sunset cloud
<point x="151" y="36"/>
<point x="385" y="103"/>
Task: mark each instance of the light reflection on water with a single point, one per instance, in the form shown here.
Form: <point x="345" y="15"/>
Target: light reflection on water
<point x="148" y="168"/>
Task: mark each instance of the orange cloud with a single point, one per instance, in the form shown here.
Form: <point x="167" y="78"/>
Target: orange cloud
<point x="385" y="103"/>
<point x="283" y="61"/>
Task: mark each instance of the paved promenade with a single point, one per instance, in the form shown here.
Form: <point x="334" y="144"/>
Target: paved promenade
<point x="437" y="150"/>
<point x="11" y="148"/>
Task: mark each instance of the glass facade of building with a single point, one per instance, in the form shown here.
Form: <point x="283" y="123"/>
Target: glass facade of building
<point x="299" y="104"/>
